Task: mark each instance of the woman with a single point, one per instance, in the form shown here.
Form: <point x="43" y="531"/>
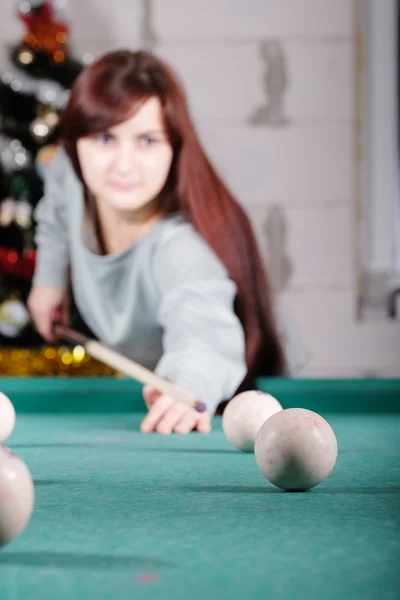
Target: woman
<point x="163" y="262"/>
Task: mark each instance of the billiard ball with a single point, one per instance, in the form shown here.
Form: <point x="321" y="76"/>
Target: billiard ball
<point x="16" y="496"/>
<point x="244" y="415"/>
<point x="296" y="449"/>
<point x="7" y="417"/>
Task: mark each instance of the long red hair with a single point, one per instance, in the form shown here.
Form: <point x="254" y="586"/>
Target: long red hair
<point x="104" y="95"/>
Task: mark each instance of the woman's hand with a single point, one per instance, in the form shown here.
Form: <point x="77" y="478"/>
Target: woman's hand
<point x="167" y="415"/>
<point x="46" y="305"/>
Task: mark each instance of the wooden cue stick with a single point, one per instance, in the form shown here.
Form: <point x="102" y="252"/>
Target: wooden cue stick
<point x="121" y="363"/>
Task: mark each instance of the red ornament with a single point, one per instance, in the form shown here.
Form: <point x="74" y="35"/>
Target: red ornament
<point x="41" y="13"/>
<point x="13" y="263"/>
<point x="44" y="33"/>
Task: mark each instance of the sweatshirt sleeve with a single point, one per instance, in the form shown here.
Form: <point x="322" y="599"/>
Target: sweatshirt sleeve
<point x="203" y="340"/>
<point x="51" y="234"/>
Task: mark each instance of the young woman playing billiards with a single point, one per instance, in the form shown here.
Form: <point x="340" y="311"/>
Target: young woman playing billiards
<point x="161" y="258"/>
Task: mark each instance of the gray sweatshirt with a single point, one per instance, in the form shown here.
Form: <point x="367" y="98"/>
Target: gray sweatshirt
<point x="166" y="301"/>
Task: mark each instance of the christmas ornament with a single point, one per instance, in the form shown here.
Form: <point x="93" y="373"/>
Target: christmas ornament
<point x="50" y="93"/>
<point x="45" y="91"/>
<point x="23" y="215"/>
<point x="44" y="33"/>
<point x="23" y="218"/>
<point x="87" y="58"/>
<point x="19" y="187"/>
<point x="45" y="123"/>
<point x="44" y="158"/>
<point x="7" y="211"/>
<point x="25" y="55"/>
<point x="40" y="130"/>
<point x="14" y="318"/>
<point x="14" y="263"/>
<point x="28" y="6"/>
<point x="13" y="155"/>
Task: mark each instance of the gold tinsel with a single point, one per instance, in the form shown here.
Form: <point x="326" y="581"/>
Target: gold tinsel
<point x="51" y="361"/>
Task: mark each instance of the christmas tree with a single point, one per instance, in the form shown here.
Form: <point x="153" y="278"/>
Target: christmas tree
<point x="34" y="90"/>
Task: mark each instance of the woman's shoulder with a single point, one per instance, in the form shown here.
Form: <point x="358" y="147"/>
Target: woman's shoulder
<point x="177" y="228"/>
<point x="181" y="246"/>
<point x="60" y="165"/>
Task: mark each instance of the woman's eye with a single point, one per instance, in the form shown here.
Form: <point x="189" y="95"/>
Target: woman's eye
<point x="147" y="140"/>
<point x="103" y="138"/>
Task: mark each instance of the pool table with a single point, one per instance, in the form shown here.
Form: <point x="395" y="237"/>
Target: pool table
<point x="122" y="515"/>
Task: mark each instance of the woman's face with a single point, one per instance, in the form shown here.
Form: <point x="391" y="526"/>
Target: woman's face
<point x="127" y="166"/>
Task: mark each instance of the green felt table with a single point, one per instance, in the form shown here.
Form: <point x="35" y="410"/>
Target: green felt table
<point x="122" y="515"/>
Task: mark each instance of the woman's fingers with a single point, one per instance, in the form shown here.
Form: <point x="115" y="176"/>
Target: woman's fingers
<point x="150" y="395"/>
<point x="204" y="423"/>
<point x="171" y="418"/>
<point x="167" y="415"/>
<point x="187" y="423"/>
<point x="156" y="412"/>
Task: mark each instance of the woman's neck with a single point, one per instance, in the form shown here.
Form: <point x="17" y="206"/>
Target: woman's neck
<point x="117" y="231"/>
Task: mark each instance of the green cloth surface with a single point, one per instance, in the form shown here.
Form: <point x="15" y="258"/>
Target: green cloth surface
<point x="108" y="394"/>
<point x="122" y="515"/>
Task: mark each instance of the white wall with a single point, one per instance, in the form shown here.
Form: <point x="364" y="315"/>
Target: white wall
<point x="305" y="168"/>
<point x="382" y="174"/>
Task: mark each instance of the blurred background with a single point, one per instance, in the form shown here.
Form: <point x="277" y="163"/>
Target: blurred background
<point x="296" y="102"/>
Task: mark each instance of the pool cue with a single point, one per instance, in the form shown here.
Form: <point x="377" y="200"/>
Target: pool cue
<point x="125" y="365"/>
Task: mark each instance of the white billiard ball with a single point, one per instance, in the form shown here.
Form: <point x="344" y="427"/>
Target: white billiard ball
<point x="16" y="496"/>
<point x="296" y="449"/>
<point x="244" y="415"/>
<point x="7" y="417"/>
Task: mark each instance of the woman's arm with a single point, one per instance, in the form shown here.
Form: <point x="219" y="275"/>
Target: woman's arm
<point x="204" y="347"/>
<point x="48" y="296"/>
<point x="51" y="234"/>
